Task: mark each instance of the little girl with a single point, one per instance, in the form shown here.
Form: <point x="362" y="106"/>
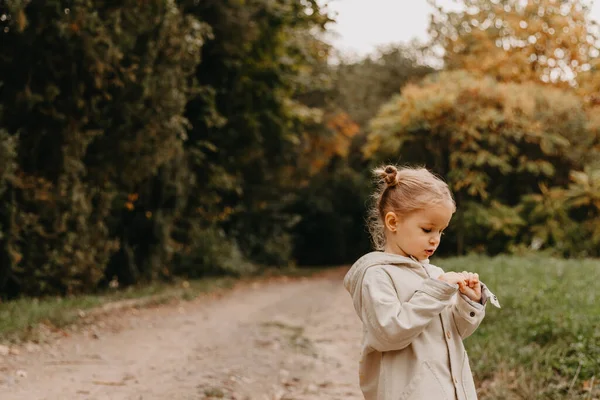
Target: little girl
<point x="414" y="315"/>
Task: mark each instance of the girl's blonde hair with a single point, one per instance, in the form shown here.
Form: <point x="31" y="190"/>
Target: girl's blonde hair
<point x="404" y="190"/>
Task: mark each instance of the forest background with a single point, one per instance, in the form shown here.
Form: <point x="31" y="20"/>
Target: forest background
<point x="148" y="140"/>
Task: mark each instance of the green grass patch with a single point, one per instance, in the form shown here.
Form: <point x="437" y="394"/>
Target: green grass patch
<point x="294" y="335"/>
<point x="544" y="343"/>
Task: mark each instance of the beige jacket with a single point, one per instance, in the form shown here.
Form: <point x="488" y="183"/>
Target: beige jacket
<point x="413" y="327"/>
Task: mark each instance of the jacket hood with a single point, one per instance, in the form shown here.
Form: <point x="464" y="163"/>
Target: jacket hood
<point x="354" y="277"/>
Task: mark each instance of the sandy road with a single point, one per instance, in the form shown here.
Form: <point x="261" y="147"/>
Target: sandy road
<point x="295" y="339"/>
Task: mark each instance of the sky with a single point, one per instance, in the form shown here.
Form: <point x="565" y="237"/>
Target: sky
<point x="363" y="25"/>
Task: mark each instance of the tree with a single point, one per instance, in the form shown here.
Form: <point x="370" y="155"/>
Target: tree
<point x="361" y="87"/>
<point x="248" y="129"/>
<point x="522" y="44"/>
<point x="96" y="102"/>
<point x="551" y="41"/>
<point x="493" y="142"/>
<point x="331" y="228"/>
<point x="566" y="218"/>
<point x="8" y="153"/>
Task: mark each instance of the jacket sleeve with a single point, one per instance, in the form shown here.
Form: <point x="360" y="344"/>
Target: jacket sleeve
<point x="467" y="315"/>
<point x="391" y="324"/>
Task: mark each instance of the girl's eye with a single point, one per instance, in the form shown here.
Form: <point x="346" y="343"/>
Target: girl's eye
<point x="426" y="230"/>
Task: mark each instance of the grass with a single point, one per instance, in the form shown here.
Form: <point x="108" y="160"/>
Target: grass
<point x="544" y="343"/>
<point x="294" y="336"/>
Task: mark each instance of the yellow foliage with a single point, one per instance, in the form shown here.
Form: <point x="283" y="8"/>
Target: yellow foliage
<point x="467" y="125"/>
<point x="336" y="143"/>
<point x="589" y="86"/>
<point x="21" y="20"/>
<point x="544" y="40"/>
<point x="342" y="124"/>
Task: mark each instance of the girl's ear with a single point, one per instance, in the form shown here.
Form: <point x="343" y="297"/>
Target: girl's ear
<point x="391" y="221"/>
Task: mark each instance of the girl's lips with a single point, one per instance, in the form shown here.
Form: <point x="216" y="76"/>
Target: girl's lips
<point x="430" y="252"/>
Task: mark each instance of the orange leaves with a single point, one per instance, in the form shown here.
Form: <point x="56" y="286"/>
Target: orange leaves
<point x="14" y="255"/>
<point x="36" y="188"/>
<point x="335" y="143"/>
<point x="223" y="214"/>
<point x="588" y="385"/>
<point x="342" y="124"/>
<point x="131" y="199"/>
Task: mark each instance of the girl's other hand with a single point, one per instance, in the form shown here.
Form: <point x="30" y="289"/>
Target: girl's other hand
<point x="471" y="286"/>
<point x="453" y="278"/>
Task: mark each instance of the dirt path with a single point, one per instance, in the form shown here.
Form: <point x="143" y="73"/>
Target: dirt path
<point x="272" y="340"/>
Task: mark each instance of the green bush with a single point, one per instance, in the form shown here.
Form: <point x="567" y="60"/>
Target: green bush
<point x="210" y="252"/>
<point x="97" y="102"/>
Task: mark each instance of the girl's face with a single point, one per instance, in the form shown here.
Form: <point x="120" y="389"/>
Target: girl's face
<point x="417" y="234"/>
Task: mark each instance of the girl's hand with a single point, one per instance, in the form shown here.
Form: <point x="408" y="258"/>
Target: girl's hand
<point x="471" y="286"/>
<point x="453" y="278"/>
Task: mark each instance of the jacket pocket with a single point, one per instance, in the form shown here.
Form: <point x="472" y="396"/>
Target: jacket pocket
<point x="425" y="385"/>
<point x="467" y="379"/>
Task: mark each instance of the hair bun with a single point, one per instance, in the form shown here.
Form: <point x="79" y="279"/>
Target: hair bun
<point x="390" y="175"/>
